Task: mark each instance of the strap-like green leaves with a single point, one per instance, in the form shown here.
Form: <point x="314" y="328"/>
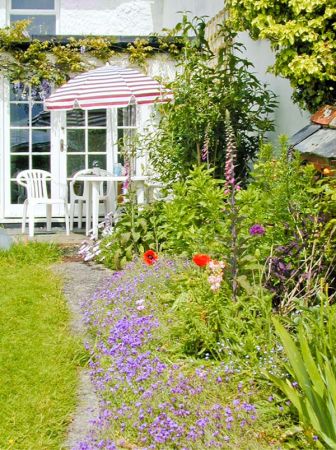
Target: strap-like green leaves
<point x="315" y="398"/>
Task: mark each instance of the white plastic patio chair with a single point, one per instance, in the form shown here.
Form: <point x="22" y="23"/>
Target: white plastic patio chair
<point x="106" y="190"/>
<point x="35" y="182"/>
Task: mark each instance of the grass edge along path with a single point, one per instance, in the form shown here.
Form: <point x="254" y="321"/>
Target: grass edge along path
<point x="38" y="355"/>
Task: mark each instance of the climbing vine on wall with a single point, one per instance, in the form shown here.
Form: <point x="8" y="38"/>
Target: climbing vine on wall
<point x="35" y="62"/>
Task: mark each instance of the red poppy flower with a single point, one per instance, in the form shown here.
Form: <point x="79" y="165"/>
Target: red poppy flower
<point x="201" y="259"/>
<point x="150" y="257"/>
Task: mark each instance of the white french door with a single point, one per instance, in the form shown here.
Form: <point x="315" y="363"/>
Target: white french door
<point x="59" y="142"/>
<point x="27" y="143"/>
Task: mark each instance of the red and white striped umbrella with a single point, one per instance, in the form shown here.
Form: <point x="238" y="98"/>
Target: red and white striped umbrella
<point x="107" y="87"/>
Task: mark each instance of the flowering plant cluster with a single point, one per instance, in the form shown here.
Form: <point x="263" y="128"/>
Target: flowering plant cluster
<point x="91" y="249"/>
<point x="216" y="276"/>
<point x="216" y="269"/>
<point x="147" y="402"/>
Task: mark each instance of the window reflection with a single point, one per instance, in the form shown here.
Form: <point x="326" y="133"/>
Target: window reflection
<point x="19" y="114"/>
<point x="97" y="161"/>
<point x="76" y="141"/>
<point x="75" y="118"/>
<point x="33" y="4"/>
<point x="41" y="162"/>
<point x="97" y="118"/>
<point x="74" y="164"/>
<point x="40" y="118"/>
<point x="127" y="116"/>
<point x="40" y="25"/>
<point x="40" y="141"/>
<point x="97" y="140"/>
<point x="18" y="163"/>
<point x="19" y="141"/>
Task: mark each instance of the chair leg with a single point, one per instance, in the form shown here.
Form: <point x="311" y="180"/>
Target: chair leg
<point x="49" y="210"/>
<point x="88" y="215"/>
<point x="80" y="213"/>
<point x="24" y="216"/>
<point x="106" y="207"/>
<point x="66" y="216"/>
<point x="31" y="220"/>
<point x="72" y="213"/>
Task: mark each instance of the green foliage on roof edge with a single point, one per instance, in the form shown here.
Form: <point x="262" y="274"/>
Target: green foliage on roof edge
<point x="303" y="35"/>
<point x="31" y="61"/>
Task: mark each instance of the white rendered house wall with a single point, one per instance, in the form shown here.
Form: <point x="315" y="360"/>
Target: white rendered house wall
<point x="119" y="17"/>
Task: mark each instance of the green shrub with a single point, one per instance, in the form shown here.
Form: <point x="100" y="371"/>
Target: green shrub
<point x="208" y="324"/>
<point x="192" y="221"/>
<point x="137" y="230"/>
<point x="278" y="195"/>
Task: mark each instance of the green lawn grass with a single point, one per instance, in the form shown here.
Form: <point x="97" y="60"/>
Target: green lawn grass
<point x="38" y="356"/>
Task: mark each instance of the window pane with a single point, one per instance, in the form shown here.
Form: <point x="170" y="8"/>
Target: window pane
<point x="18" y="163"/>
<point x="97" y="161"/>
<point x="75" y="163"/>
<point x="97" y="118"/>
<point x="76" y="141"/>
<point x="18" y="193"/>
<point x="97" y="140"/>
<point x="121" y="159"/>
<point x="41" y="140"/>
<point x="18" y="92"/>
<point x="19" y="141"/>
<point x="120" y="136"/>
<point x="40" y="25"/>
<point x="75" y="118"/>
<point x="127" y="116"/>
<point x="19" y="114"/>
<point x="33" y="4"/>
<point x="41" y="162"/>
<point x="126" y="139"/>
<point x="40" y="118"/>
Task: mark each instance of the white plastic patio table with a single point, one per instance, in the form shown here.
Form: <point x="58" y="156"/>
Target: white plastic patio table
<point x="92" y="207"/>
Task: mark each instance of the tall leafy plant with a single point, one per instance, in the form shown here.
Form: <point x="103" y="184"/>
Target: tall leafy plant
<point x="206" y="87"/>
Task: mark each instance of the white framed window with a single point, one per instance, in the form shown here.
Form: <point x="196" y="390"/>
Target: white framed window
<point x="86" y="140"/>
<point x="29" y="136"/>
<point x="42" y="13"/>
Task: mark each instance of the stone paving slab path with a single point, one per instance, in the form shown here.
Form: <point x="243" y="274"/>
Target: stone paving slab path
<point x="80" y="282"/>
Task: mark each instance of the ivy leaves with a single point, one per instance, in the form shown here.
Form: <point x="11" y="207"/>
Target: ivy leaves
<point x="303" y="35"/>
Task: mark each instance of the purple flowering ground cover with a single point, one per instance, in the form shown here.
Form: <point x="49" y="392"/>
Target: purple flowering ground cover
<point x="148" y="400"/>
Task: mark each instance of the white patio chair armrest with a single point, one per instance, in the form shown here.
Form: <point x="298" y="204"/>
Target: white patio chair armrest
<point x="71" y="186"/>
<point x="21" y="180"/>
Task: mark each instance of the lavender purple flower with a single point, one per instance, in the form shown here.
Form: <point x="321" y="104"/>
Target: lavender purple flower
<point x="144" y="398"/>
<point x="257" y="229"/>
